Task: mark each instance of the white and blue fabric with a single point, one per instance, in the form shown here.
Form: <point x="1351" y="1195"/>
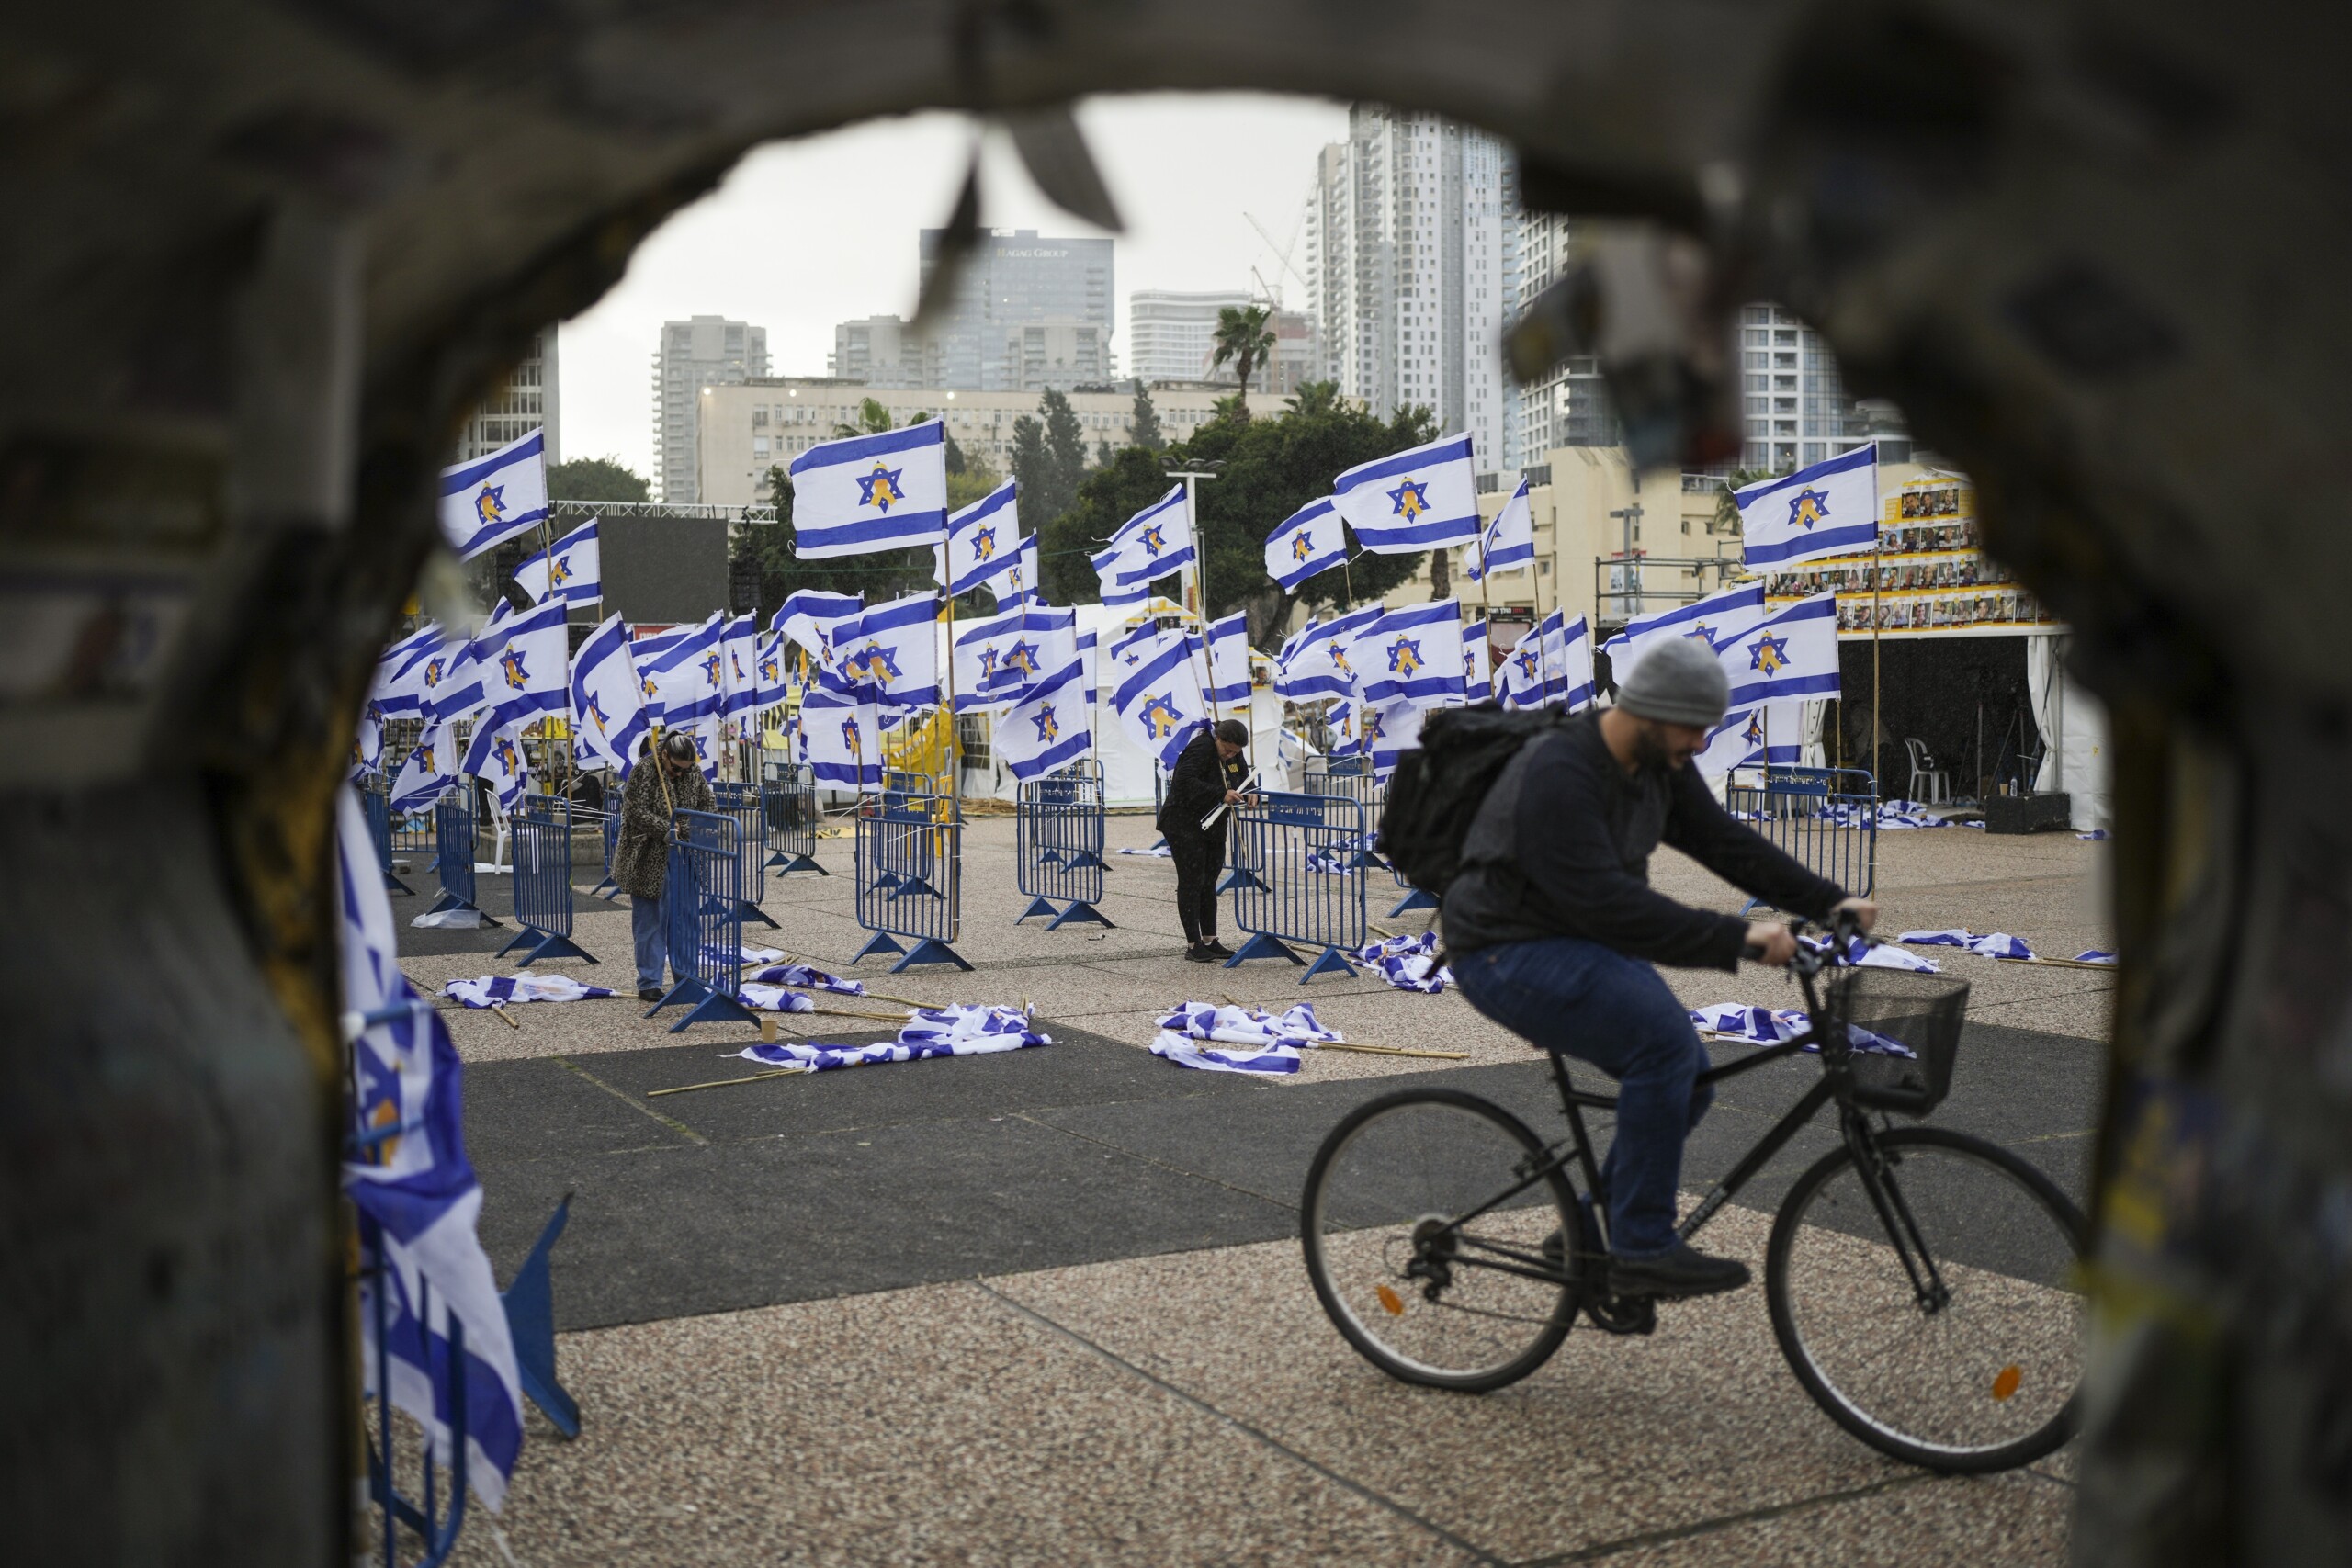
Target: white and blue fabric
<point x="979" y="652"/>
<point x="428" y="770"/>
<point x="772" y="686"/>
<point x="1508" y="541"/>
<point x="1792" y="653"/>
<point x="1410" y="654"/>
<point x="1477" y="655"/>
<point x="1409" y="963"/>
<point x="1051" y="726"/>
<point x="416" y="1192"/>
<point x="1998" y="944"/>
<point x="2095" y="956"/>
<point x="528" y="671"/>
<point x="497" y="758"/>
<point x="686" y="680"/>
<point x="739" y="677"/>
<point x="1568" y="661"/>
<point x="841" y="738"/>
<point x="892" y="651"/>
<point x="1390" y="729"/>
<point x="1158" y="700"/>
<point x="608" y="700"/>
<point x="1311" y="539"/>
<point x="1154" y="542"/>
<point x="799" y="975"/>
<point x="448" y="682"/>
<point x="773" y="999"/>
<point x="866" y="493"/>
<point x="1826" y="509"/>
<point x="957" y="1030"/>
<point x="1769" y="1026"/>
<point x="497" y="990"/>
<point x="1422" y="499"/>
<point x="1240" y="1039"/>
<point x="1042" y="647"/>
<point x="398" y="687"/>
<point x="570" y="569"/>
<point x="494" y="499"/>
<point x="1713" y="622"/>
<point x="984" y="544"/>
<point x="1320" y="663"/>
<point x="1230" y="659"/>
<point x="367" y="744"/>
<point x="1520" y="679"/>
<point x="809" y="618"/>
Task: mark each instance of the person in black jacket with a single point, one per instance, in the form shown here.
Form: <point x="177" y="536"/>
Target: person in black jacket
<point x="1209" y="770"/>
<point x="1551" y="927"/>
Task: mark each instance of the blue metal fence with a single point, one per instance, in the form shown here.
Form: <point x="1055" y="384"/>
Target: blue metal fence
<point x="1057" y="845"/>
<point x="376" y="801"/>
<point x="910" y="876"/>
<point x="1826" y="817"/>
<point x="1305" y="881"/>
<point x="453" y="858"/>
<point x="608" y="889"/>
<point x="702" y="917"/>
<point x="1349" y="778"/>
<point x="543" y="880"/>
<point x="742" y="802"/>
<point x="790" y="796"/>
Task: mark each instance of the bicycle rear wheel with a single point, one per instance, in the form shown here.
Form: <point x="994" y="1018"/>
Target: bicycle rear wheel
<point x="1425" y="1300"/>
<point x="1968" y="1359"/>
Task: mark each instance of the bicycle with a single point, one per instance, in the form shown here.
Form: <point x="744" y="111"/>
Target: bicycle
<point x="1922" y="1282"/>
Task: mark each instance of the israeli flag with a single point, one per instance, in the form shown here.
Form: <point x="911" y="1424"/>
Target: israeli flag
<point x="399" y="685"/>
<point x="812" y="619"/>
<point x="1044" y="641"/>
<point x="773" y="688"/>
<point x="739" y="639"/>
<point x="978" y="654"/>
<point x="1567" y="661"/>
<point x="1321" y="664"/>
<point x="569" y="570"/>
<point x="1229" y="660"/>
<point x="1424" y="499"/>
<point x="1159" y="702"/>
<point x="1390" y="729"/>
<point x="894" y="653"/>
<point x="688" y="680"/>
<point x="1478" y="656"/>
<point x="1735" y="744"/>
<point x="1509" y="541"/>
<point x="1791" y="654"/>
<point x="497" y="758"/>
<point x="607" y="703"/>
<point x="1051" y="728"/>
<point x="984" y="544"/>
<point x="1410" y="654"/>
<point x="494" y="499"/>
<point x="1312" y="539"/>
<point x="1827" y="509"/>
<point x="417" y="1194"/>
<point x="841" y="738"/>
<point x="427" y="771"/>
<point x="450" y="683"/>
<point x="367" y="745"/>
<point x="528" y="671"/>
<point x="1521" y="681"/>
<point x="1711" y="621"/>
<point x="866" y="493"/>
<point x="1153" y="543"/>
<point x="1021" y="584"/>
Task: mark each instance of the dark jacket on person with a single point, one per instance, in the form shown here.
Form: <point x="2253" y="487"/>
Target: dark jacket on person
<point x="1196" y="784"/>
<point x="642" y="859"/>
<point x="1561" y="846"/>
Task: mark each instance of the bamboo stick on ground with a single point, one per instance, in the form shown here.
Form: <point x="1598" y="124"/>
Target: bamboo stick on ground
<point x="722" y="1083"/>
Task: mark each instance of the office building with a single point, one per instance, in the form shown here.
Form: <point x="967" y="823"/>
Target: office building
<point x="880" y="351"/>
<point x="1793" y="408"/>
<point x="1171" y="335"/>
<point x="705" y="351"/>
<point x="526" y="402"/>
<point x="1015" y="280"/>
<point x="1570" y="406"/>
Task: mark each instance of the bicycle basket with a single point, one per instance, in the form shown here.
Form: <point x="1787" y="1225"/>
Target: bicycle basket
<point x="1903" y="1031"/>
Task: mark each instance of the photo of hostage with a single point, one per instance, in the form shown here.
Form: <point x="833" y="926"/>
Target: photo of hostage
<point x="1209" y="775"/>
<point x="1553" y="928"/>
<point x="655" y="794"/>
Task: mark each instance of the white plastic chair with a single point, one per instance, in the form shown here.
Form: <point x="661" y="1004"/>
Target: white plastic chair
<point x="1929" y="786"/>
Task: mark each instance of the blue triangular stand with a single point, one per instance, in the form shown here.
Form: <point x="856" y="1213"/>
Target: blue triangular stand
<point x="929" y="950"/>
<point x="1041" y="905"/>
<point x="608" y="889"/>
<point x="751" y="911"/>
<point x="793" y="864"/>
<point x="449" y="901"/>
<point x="1085" y="858"/>
<point x="1260" y="946"/>
<point x="1331" y="961"/>
<point x="878" y="942"/>
<point x="1237" y="877"/>
<point x="1414" y="898"/>
<point x="530" y="1323"/>
<point x="1079" y="912"/>
<point x="394" y="885"/>
<point x="549" y="946"/>
<point x="913" y="884"/>
<point x="708" y="1004"/>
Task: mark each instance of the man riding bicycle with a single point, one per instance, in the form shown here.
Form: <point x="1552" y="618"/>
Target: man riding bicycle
<point x="1552" y="927"/>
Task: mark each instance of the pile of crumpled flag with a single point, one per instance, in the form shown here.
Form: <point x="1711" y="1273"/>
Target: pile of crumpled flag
<point x="1192" y="1036"/>
<point x="1862" y="956"/>
<point x="1890" y="816"/>
<point x="497" y="990"/>
<point x="1409" y="963"/>
<point x="2094" y="956"/>
<point x="1769" y="1026"/>
<point x="2000" y="944"/>
<point x="774" y="998"/>
<point x="803" y="977"/>
<point x="1155" y="850"/>
<point x="956" y="1030"/>
<point x="1328" y="865"/>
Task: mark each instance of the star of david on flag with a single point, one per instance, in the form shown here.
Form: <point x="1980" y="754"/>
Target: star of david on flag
<point x="1793" y="654"/>
<point x="1051" y="728"/>
<point x="494" y="499"/>
<point x="1826" y="509"/>
<point x="1152" y="544"/>
<point x="1423" y="498"/>
<point x="866" y="493"/>
<point x="1567" y="661"/>
<point x="569" y="570"/>
<point x="1310" y="540"/>
<point x="532" y="660"/>
<point x="1410" y="654"/>
<point x="1717" y="618"/>
<point x="1159" y="702"/>
<point x="1317" y="663"/>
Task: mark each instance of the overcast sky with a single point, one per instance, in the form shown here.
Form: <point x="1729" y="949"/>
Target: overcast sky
<point x="804" y="235"/>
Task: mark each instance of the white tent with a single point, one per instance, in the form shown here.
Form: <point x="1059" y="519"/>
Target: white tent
<point x="2074" y="757"/>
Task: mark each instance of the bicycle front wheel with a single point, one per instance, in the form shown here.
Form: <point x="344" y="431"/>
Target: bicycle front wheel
<point x="1935" y="1311"/>
<point x="1423" y="1293"/>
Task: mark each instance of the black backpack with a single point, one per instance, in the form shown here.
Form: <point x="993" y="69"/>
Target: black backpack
<point x="1438" y="788"/>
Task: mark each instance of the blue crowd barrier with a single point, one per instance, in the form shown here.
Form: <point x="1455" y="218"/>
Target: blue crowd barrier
<point x="1349" y="778"/>
<point x="606" y="888"/>
<point x="1414" y="898"/>
<point x="910" y="876"/>
<point x="1057" y="846"/>
<point x="376" y="802"/>
<point x="743" y="803"/>
<point x="453" y="854"/>
<point x="702" y="914"/>
<point x="790" y="796"/>
<point x="542" y="826"/>
<point x="1304" y="882"/>
<point x="432" y="1519"/>
<point x="1825" y="817"/>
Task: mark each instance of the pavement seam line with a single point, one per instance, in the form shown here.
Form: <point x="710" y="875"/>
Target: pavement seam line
<point x="1606" y="1549"/>
<point x="631" y="1100"/>
<point x="1146" y="1159"/>
<point x="1022" y="1310"/>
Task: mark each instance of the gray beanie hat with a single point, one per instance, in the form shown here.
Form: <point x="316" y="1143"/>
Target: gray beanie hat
<point x="1678" y="682"/>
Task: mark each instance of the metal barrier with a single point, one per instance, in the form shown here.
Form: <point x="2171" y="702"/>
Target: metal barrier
<point x="789" y="795"/>
<point x="1057" y="836"/>
<point x="543" y="880"/>
<point x="1825" y="817"/>
<point x="1349" y="778"/>
<point x="608" y="889"/>
<point x="702" y="916"/>
<point x="453" y="858"/>
<point x="742" y="802"/>
<point x="1305" y="882"/>
<point x="435" y="1523"/>
<point x="1414" y="898"/>
<point x="376" y="802"/>
<point x="910" y="876"/>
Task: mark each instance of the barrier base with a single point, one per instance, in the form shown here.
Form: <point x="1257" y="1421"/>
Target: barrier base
<point x="793" y="864"/>
<point x="751" y="911"/>
<point x="1083" y="913"/>
<point x="449" y="901"/>
<point x="1331" y="961"/>
<point x="1235" y="876"/>
<point x="530" y="1323"/>
<point x="394" y="885"/>
<point x="608" y="889"/>
<point x="708" y="1004"/>
<point x="1260" y="946"/>
<point x="929" y="950"/>
<point x="549" y="946"/>
<point x="879" y="942"/>
<point x="1040" y="905"/>
<point x="912" y="885"/>
<point x="1414" y="898"/>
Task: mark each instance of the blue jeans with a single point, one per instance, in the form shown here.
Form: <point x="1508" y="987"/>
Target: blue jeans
<point x="663" y="928"/>
<point x="1584" y="1000"/>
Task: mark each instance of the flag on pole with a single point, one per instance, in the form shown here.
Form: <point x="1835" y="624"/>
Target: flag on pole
<point x="1311" y="539"/>
<point x="1321" y="666"/>
<point x="688" y="680"/>
<point x="527" y="670"/>
<point x="772" y="688"/>
<point x="1510" y="539"/>
<point x="1044" y="641"/>
<point x="1411" y="654"/>
<point x="569" y="570"/>
<point x="1478" y="656"/>
<point x="984" y="542"/>
<point x="841" y="737"/>
<point x="1050" y="728"/>
<point x="1826" y="509"/>
<point x="813" y="620"/>
<point x="866" y="493"/>
<point x="979" y="650"/>
<point x="1159" y="702"/>
<point x="497" y="758"/>
<point x="893" y="651"/>
<point x="607" y="703"/>
<point x="1152" y="544"/>
<point x="428" y="769"/>
<point x="1521" y="683"/>
<point x="1390" y="729"/>
<point x="398" y="685"/>
<point x="494" y="499"/>
<point x="1423" y="498"/>
<point x="1712" y="621"/>
<point x="1229" y="660"/>
<point x="1567" y="657"/>
<point x="1791" y="654"/>
<point x="739" y="639"/>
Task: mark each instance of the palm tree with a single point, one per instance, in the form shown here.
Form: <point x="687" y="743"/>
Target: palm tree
<point x="1243" y="339"/>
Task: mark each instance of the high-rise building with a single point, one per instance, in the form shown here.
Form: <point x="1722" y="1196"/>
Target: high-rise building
<point x="1570" y="406"/>
<point x="1794" y="408"/>
<point x="1412" y="256"/>
<point x="526" y="402"/>
<point x="1171" y="335"/>
<point x="1013" y="280"/>
<point x="879" y="351"/>
<point x="705" y="351"/>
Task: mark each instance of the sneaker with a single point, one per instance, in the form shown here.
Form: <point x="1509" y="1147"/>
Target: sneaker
<point x="1200" y="953"/>
<point x="1216" y="948"/>
<point x="649" y="993"/>
<point x="1681" y="1271"/>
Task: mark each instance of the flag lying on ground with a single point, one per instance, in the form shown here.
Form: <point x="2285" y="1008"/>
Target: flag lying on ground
<point x="1229" y="660"/>
<point x="1792" y="653"/>
<point x="497" y="990"/>
<point x="607" y="703"/>
<point x="1311" y="539"/>
<point x="494" y="499"/>
<point x="1769" y="1026"/>
<point x="1192" y="1036"/>
<point x="801" y="976"/>
<point x="569" y="570"/>
<point x="984" y="542"/>
<point x="1422" y="499"/>
<point x="957" y="1030"/>
<point x="1410" y="654"/>
<point x="1824" y="509"/>
<point x="1158" y="701"/>
<point x="866" y="493"/>
<point x="1407" y="963"/>
<point x="773" y="999"/>
<point x="406" y="1172"/>
<point x="1510" y="539"/>
<point x="1999" y="944"/>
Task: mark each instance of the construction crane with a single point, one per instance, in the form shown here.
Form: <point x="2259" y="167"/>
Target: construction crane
<point x="1282" y="252"/>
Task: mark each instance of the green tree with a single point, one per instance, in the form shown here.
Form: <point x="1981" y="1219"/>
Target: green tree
<point x="597" y="479"/>
<point x="873" y="419"/>
<point x="1244" y="340"/>
<point x="1726" y="506"/>
<point x="1065" y="439"/>
<point x="1143" y="425"/>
